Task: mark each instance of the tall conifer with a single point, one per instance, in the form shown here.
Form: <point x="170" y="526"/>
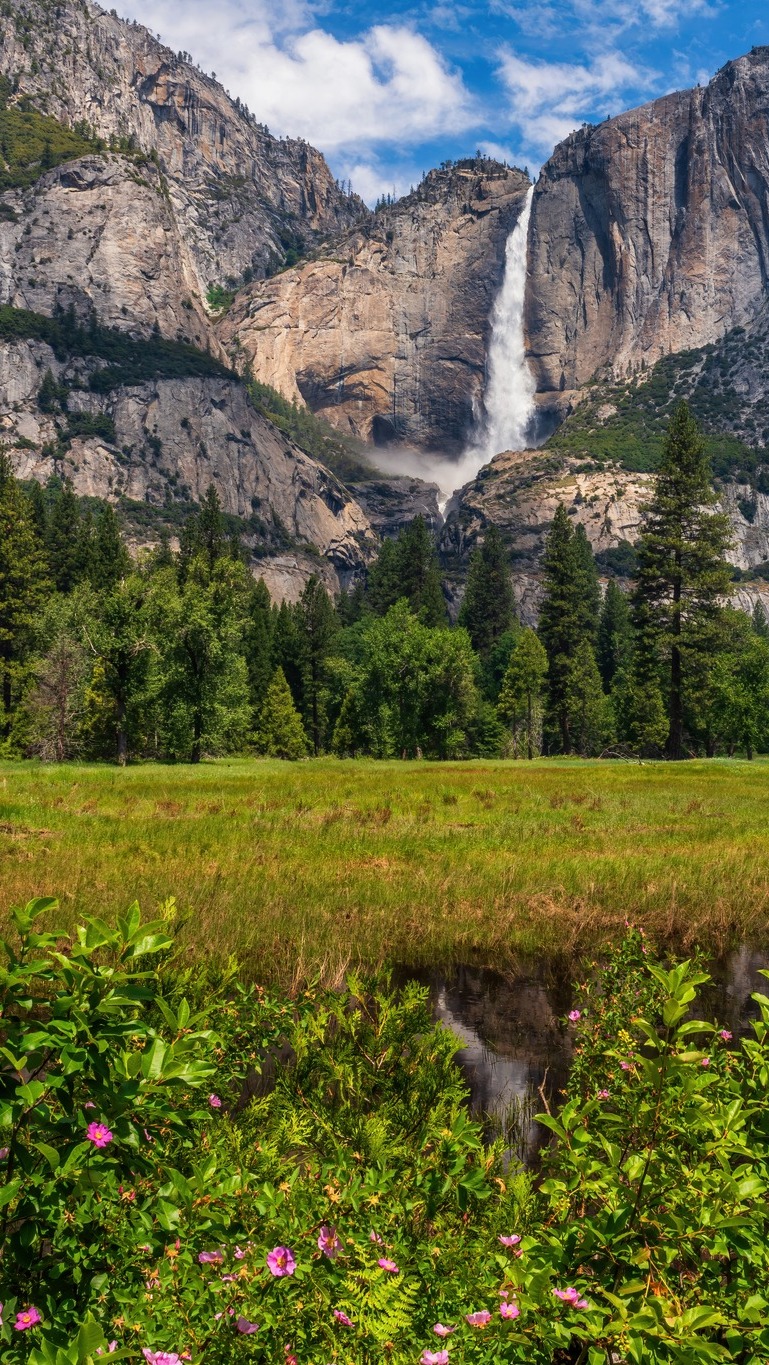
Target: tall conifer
<point x="488" y="609"/>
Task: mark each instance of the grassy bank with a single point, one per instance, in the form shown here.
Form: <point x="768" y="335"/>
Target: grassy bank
<point x="297" y="865"/>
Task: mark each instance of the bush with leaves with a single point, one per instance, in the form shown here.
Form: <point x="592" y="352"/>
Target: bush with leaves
<point x="193" y="1169"/>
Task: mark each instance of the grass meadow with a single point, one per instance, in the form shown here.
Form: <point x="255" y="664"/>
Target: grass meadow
<point x="301" y="867"/>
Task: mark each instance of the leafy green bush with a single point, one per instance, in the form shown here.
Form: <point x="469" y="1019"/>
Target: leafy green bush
<point x="327" y="1197"/>
<point x="32" y="143"/>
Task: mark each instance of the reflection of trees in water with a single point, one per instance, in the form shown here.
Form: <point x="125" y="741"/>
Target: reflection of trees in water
<point x="515" y="1050"/>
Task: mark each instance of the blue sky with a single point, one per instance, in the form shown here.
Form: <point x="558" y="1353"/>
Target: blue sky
<point x="389" y="90"/>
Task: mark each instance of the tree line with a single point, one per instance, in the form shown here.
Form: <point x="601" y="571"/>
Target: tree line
<point x="180" y="653"/>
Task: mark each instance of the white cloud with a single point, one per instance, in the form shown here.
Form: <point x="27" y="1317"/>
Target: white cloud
<point x="387" y="85"/>
<point x="547" y="100"/>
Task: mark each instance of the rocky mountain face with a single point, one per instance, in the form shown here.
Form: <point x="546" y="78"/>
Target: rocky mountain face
<point x="240" y="197"/>
<point x="650" y="233"/>
<point x="385" y="331"/>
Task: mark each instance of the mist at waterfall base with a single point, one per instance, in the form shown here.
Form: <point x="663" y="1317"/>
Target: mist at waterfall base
<point x="508" y="403"/>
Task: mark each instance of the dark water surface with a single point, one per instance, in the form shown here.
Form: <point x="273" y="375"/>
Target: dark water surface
<point x="516" y="1050"/>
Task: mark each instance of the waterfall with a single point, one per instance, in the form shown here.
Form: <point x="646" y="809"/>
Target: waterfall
<point x="508" y="404"/>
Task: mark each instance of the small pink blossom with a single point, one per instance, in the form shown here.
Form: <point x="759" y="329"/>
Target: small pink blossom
<point x="571" y="1296"/>
<point x="214" y="1102"/>
<point x="111" y="1346"/>
<point x="510" y="1241"/>
<point x="705" y="1061"/>
<point x="99" y="1134"/>
<point x="160" y="1357"/>
<point x="246" y="1328"/>
<point x="726" y="1035"/>
<point x="4" y="1153"/>
<point x="329" y="1242"/>
<point x="28" y="1317"/>
<point x="229" y="1312"/>
<point x="509" y="1310"/>
<point x="602" y="1095"/>
<point x="207" y="1257"/>
<point x="374" y="1237"/>
<point x="434" y="1358"/>
<point x="280" y="1262"/>
<point x="480" y="1319"/>
<point x="239" y="1254"/>
<point x="575" y="1016"/>
<point x="89" y="1104"/>
<point x="343" y="1318"/>
<point x="441" y="1331"/>
<point x="625" y="1066"/>
<point x="228" y="1279"/>
<point x="390" y="1266"/>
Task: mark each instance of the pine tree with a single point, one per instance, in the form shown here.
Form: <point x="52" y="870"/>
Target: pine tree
<point x="67" y="549"/>
<point x="319" y="626"/>
<point x="567" y="615"/>
<point x="281" y="733"/>
<point x="23" y="588"/>
<point x="109" y="558"/>
<point x="589" y="590"/>
<point x="257" y="643"/>
<point x="203" y="533"/>
<point x="408" y="568"/>
<point x="760" y="621"/>
<point x="520" y="701"/>
<point x="682" y="569"/>
<point x="588" y="708"/>
<point x="615" y="634"/>
<point x="288" y="650"/>
<point x="488" y="609"/>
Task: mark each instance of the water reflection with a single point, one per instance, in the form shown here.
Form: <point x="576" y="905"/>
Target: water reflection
<point x="516" y="1052"/>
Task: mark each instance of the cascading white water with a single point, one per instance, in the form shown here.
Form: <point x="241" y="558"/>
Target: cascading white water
<point x="508" y="404"/>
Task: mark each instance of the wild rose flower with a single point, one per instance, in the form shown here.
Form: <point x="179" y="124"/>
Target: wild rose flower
<point x="343" y="1318"/>
<point x="441" y="1331"/>
<point x="89" y="1104"/>
<point x="390" y="1266"/>
<point x="509" y="1310"/>
<point x="434" y="1358"/>
<point x="510" y="1241"/>
<point x="724" y="1034"/>
<point x="329" y="1243"/>
<point x="575" y="1016"/>
<point x="99" y="1134"/>
<point x="214" y="1102"/>
<point x="228" y="1279"/>
<point x="571" y="1296"/>
<point x="374" y="1237"/>
<point x="160" y="1357"/>
<point x="239" y="1254"/>
<point x="206" y="1257"/>
<point x="229" y="1312"/>
<point x="625" y="1066"/>
<point x="602" y="1095"/>
<point x="111" y="1346"/>
<point x="245" y="1327"/>
<point x="28" y="1317"/>
<point x="479" y="1319"/>
<point x="280" y="1262"/>
<point x="705" y="1061"/>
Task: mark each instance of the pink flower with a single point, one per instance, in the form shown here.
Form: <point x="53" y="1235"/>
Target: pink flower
<point x="705" y="1061"/>
<point x="441" y="1331"/>
<point x="479" y="1319"/>
<point x="246" y="1328"/>
<point x="625" y="1066"/>
<point x="228" y="1279"/>
<point x="329" y="1243"/>
<point x="230" y="1313"/>
<point x="214" y="1102"/>
<point x="98" y="1134"/>
<point x="602" y="1095"/>
<point x="160" y="1357"/>
<point x="509" y="1310"/>
<point x="280" y="1262"/>
<point x="374" y="1237"/>
<point x="571" y="1296"/>
<point x="434" y="1358"/>
<point x="575" y="1016"/>
<point x="726" y="1035"/>
<point x="510" y="1241"/>
<point x="239" y="1254"/>
<point x="343" y="1318"/>
<point x="89" y="1104"/>
<point x="206" y="1257"/>
<point x="4" y="1153"/>
<point x="28" y="1317"/>
<point x="112" y="1346"/>
<point x="389" y="1266"/>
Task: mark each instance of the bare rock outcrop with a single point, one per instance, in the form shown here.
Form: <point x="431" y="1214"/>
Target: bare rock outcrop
<point x="385" y="332"/>
<point x="241" y="196"/>
<point x="650" y="233"/>
<point x="174" y="437"/>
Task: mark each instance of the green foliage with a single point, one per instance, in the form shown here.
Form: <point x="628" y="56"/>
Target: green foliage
<point x="126" y="359"/>
<point x="407" y="569"/>
<point x="568" y="615"/>
<point x="23" y="586"/>
<point x="520" y="701"/>
<point x="32" y="143"/>
<point x="219" y="299"/>
<point x="280" y="732"/>
<point x="488" y="609"/>
<point x="175" y="1139"/>
<point x="588" y="710"/>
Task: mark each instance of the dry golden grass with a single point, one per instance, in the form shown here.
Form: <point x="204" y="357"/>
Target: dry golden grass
<point x="298" y="867"/>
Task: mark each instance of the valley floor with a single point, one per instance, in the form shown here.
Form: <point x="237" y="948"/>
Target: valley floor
<point x="314" y="865"/>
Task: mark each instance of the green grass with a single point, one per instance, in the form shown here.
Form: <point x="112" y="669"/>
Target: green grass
<point x="294" y="867"/>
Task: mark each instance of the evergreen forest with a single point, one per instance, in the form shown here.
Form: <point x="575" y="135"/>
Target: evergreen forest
<point x="179" y="653"/>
